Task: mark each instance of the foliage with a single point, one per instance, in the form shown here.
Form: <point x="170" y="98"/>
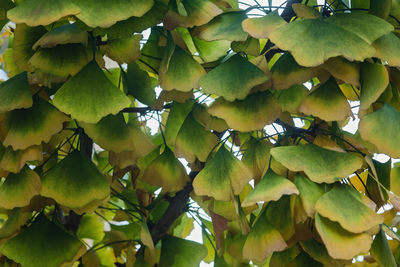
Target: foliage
<point x="124" y="123"/>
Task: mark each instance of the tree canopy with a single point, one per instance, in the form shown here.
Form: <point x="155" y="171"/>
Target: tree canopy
<point x="125" y="123"/>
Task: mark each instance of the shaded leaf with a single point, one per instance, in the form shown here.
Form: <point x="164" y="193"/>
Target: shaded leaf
<point x="381" y="251"/>
<point x="387" y="48"/>
<point x="310" y="192"/>
<point x="124" y="50"/>
<point x="15" y="93"/>
<point x="65" y="34"/>
<point x="139" y="84"/>
<point x="374" y="81"/>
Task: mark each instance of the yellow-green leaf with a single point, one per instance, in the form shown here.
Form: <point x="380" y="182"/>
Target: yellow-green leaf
<point x="387" y="48"/>
<point x="263" y="26"/>
<point x="310" y="192"/>
<point x="256" y="158"/>
<point x="124" y="50"/>
<point x="65" y="34"/>
<point x="381" y="251"/>
<point x="291" y="98"/>
<point x="15" y="93"/>
<point x="374" y="81"/>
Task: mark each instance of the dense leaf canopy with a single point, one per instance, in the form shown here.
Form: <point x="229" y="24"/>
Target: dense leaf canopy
<point x="125" y="123"/>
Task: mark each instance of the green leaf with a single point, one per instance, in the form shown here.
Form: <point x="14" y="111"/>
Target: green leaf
<point x="271" y="188"/>
<point x="9" y="64"/>
<point x="177" y="252"/>
<point x="139" y="84"/>
<point x="19" y="189"/>
<point x="344" y="70"/>
<point x="57" y="247"/>
<point x="193" y="141"/>
<point x="280" y="215"/>
<point x="108" y="12"/>
<point x="227" y="26"/>
<point x="305" y="12"/>
<point x="180" y="71"/>
<point x="262" y="241"/>
<point x="340" y="243"/>
<point x="380" y="8"/>
<point x="15" y="93"/>
<point x="387" y="48"/>
<point x="65" y="34"/>
<point x="291" y="98"/>
<point x="177" y="115"/>
<point x="381" y="251"/>
<point x="263" y="26"/>
<point x="233" y="79"/>
<point x="252" y="113"/>
<point x="303" y="259"/>
<point x="26" y="127"/>
<point x="91" y="226"/>
<point x="211" y="51"/>
<point x="223" y="176"/>
<point x="374" y="81"/>
<point x="124" y="50"/>
<point x="42" y="12"/>
<point x="5" y="5"/>
<point x="310" y="192"/>
<point x="345" y="205"/>
<point x="318" y="252"/>
<point x="327" y="102"/>
<point x="321" y="165"/>
<point x="75" y="182"/>
<point x="89" y="95"/>
<point x="382" y="128"/>
<point x="14" y="161"/>
<point x="256" y="158"/>
<point x="313" y="41"/>
<point x="166" y="172"/>
<point x="282" y="258"/>
<point x="16" y="219"/>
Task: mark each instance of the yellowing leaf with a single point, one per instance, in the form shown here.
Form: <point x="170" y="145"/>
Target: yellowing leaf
<point x="15" y="93"/>
<point x="223" y="176"/>
<point x="19" y="189"/>
<point x="256" y="158"/>
<point x="233" y="79"/>
<point x="304" y="11"/>
<point x="270" y="188"/>
<point x="262" y="27"/>
<point x="75" y="182"/>
<point x="27" y="127"/>
<point x="310" y="192"/>
<point x="16" y="219"/>
<point x="42" y="12"/>
<point x="166" y="172"/>
<point x="14" y="161"/>
<point x="321" y="165"/>
<point x="291" y="98"/>
<point x="57" y="248"/>
<point x="387" y="47"/>
<point x="374" y="80"/>
<point x="66" y="34"/>
<point x="382" y="128"/>
<point x="342" y="69"/>
<point x="345" y="205"/>
<point x="340" y="243"/>
<point x="252" y="113"/>
<point x="327" y="102"/>
<point x="89" y="95"/>
<point x="318" y="252"/>
<point x="124" y="50"/>
<point x="313" y="41"/>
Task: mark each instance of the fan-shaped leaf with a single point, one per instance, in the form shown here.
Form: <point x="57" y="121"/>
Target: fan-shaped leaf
<point x="233" y="79"/>
<point x="211" y="51"/>
<point x="256" y="158"/>
<point x="252" y="113"/>
<point x="270" y="188"/>
<point x="262" y="27"/>
<point x="374" y="81"/>
<point x="42" y="12"/>
<point x="382" y="128"/>
<point x="19" y="189"/>
<point x="342" y="69"/>
<point x="91" y="226"/>
<point x="124" y="50"/>
<point x="291" y="98"/>
<point x="166" y="172"/>
<point x="321" y="165"/>
<point x="139" y="84"/>
<point x="387" y="48"/>
<point x="313" y="41"/>
<point x="318" y="252"/>
<point x="223" y="176"/>
<point x="381" y="251"/>
<point x="176" y="117"/>
<point x="310" y="192"/>
<point x="27" y="127"/>
<point x="16" y="219"/>
<point x="75" y="182"/>
<point x="15" y="93"/>
<point x="57" y="247"/>
<point x="65" y="34"/>
<point x="14" y="161"/>
<point x="89" y="95"/>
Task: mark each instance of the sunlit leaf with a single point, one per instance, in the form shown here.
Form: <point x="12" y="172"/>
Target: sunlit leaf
<point x="262" y="27"/>
<point x="91" y="226"/>
<point x="280" y="215"/>
<point x="177" y="115"/>
<point x="14" y="161"/>
<point x="342" y="69"/>
<point x="15" y="93"/>
<point x="211" y="51"/>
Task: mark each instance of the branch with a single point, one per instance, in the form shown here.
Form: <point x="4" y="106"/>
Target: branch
<point x="143" y="110"/>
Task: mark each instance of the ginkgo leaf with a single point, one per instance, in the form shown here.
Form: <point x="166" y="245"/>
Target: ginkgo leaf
<point x="15" y="93"/>
<point x="109" y="12"/>
<point x="374" y="81"/>
<point x="91" y="226"/>
<point x="62" y="60"/>
<point x="199" y="12"/>
<point x="16" y="219"/>
<point x="291" y="98"/>
<point x="5" y="5"/>
<point x="280" y="215"/>
<point x="211" y="51"/>
<point x="27" y="127"/>
<point x="305" y="12"/>
<point x="321" y="165"/>
<point x="222" y="177"/>
<point x="65" y="34"/>
<point x="18" y="189"/>
<point x="262" y="240"/>
<point x="313" y="41"/>
<point x="227" y="26"/>
<point x="262" y="27"/>
<point x="327" y="102"/>
<point x="310" y="192"/>
<point x="256" y="158"/>
<point x="25" y="38"/>
<point x="42" y="12"/>
<point x="9" y="63"/>
<point x="252" y="113"/>
<point x="318" y="252"/>
<point x="340" y="243"/>
<point x="381" y="251"/>
<point x="14" y="161"/>
<point x="180" y="71"/>
<point x="57" y="247"/>
<point x="387" y="47"/>
<point x="177" y="115"/>
<point x="270" y="188"/>
<point x="344" y="204"/>
<point x="382" y="128"/>
<point x="210" y="122"/>
<point x="342" y="69"/>
<point x="166" y="172"/>
<point x="193" y="141"/>
<point x="177" y="252"/>
<point x="75" y="182"/>
<point x="233" y="79"/>
<point x="139" y="84"/>
<point x="89" y="95"/>
<point x="124" y="50"/>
